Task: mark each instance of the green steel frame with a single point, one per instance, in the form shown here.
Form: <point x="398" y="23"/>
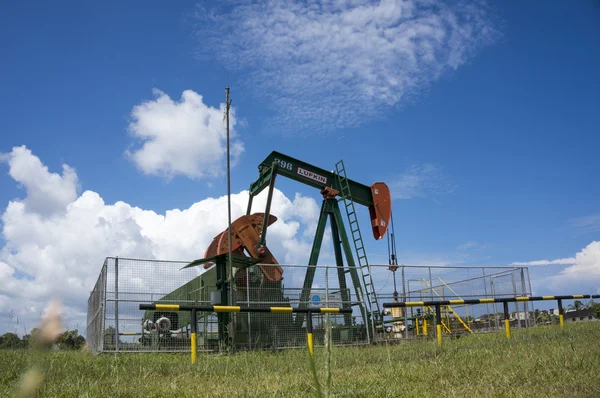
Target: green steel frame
<point x="278" y="163"/>
<point x="331" y="210"/>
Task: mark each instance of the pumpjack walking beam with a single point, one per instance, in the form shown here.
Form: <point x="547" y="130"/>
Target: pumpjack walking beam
<point x="376" y="198"/>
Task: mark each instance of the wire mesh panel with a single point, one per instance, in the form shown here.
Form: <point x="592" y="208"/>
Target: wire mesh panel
<point x="131" y="282"/>
<point x="95" y="315"/>
<point x="422" y="283"/>
<point x="116" y="324"/>
<point x="329" y="288"/>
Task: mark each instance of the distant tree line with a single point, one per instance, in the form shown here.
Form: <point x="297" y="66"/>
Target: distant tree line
<point x="68" y="340"/>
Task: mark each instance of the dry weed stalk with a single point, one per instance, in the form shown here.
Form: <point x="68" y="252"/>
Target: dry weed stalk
<point x="50" y="329"/>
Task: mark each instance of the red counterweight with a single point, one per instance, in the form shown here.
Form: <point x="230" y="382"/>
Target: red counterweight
<point x="381" y="209"/>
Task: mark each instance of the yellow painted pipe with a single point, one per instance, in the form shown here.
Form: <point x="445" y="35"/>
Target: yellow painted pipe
<point x="561" y="317"/>
<point x="309" y="341"/>
<point x="281" y="309"/>
<point x="439" y="334"/>
<point x="226" y="308"/>
<point x="167" y="307"/>
<point x="194" y="348"/>
<point x="417" y="326"/>
<point x="507" y="327"/>
<point x="425" y="327"/>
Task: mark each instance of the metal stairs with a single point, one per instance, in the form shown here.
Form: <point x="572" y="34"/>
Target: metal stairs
<point x="448" y="313"/>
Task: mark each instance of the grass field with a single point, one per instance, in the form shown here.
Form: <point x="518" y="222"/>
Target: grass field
<point x="542" y="362"/>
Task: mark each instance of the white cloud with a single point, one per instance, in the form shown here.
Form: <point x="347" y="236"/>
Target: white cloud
<point x="59" y="254"/>
<point x="468" y="246"/>
<point x="182" y="138"/>
<point x="5" y="271"/>
<point x="47" y="192"/>
<point x="326" y="65"/>
<point x="420" y="181"/>
<point x="587" y="224"/>
<point x="581" y="276"/>
<point x="560" y="261"/>
<point x="585" y="271"/>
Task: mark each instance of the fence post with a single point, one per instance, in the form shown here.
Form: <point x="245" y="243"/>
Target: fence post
<point x="531" y="294"/>
<point x="103" y="305"/>
<point x="487" y="306"/>
<point x="194" y="347"/>
<point x="309" y="335"/>
<point x="327" y="295"/>
<point x="526" y="303"/>
<point x="404" y="298"/>
<point x="507" y="320"/>
<point x="248" y="304"/>
<point x="116" y="304"/>
<point x="561" y="315"/>
<point x="438" y="321"/>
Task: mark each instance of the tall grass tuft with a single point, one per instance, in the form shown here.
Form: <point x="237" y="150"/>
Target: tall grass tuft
<point x="328" y="347"/>
<point x="313" y="369"/>
<point x="328" y="368"/>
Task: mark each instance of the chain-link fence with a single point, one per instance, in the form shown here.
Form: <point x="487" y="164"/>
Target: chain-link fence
<point x="415" y="283"/>
<point x="95" y="315"/>
<point x="116" y="324"/>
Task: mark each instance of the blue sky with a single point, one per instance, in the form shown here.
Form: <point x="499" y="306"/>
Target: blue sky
<point x="484" y="123"/>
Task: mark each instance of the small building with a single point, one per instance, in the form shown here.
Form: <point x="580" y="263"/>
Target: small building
<point x="583" y="315"/>
<point x="520" y="316"/>
<point x="552" y="311"/>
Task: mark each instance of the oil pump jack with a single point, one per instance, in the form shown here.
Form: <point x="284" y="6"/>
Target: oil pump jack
<point x="249" y="232"/>
<point x="258" y="277"/>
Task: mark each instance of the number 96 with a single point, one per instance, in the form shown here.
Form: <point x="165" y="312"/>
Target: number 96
<point x="284" y="165"/>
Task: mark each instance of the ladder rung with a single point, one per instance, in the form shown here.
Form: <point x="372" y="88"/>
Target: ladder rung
<point x="370" y="302"/>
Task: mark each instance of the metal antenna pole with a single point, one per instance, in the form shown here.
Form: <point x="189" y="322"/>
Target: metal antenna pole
<point x="230" y="265"/>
